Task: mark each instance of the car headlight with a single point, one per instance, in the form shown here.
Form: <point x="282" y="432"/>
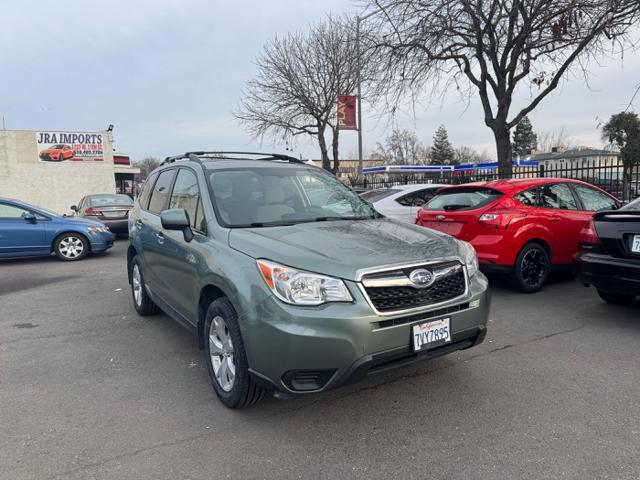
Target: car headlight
<point x="98" y="229"/>
<point x="298" y="287"/>
<point x="470" y="258"/>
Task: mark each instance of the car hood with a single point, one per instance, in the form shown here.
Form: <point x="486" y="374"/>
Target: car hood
<point x="341" y="248"/>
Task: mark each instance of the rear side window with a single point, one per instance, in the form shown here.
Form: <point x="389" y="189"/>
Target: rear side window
<point x="161" y="191"/>
<point x="528" y="197"/>
<point x="463" y="199"/>
<point x="11" y="212"/>
<point x="594" y="200"/>
<point x="557" y="196"/>
<point x="146" y="191"/>
<point x="417" y="199"/>
<point x="376" y="195"/>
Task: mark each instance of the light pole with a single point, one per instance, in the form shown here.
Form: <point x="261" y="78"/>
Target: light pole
<point x="359" y="86"/>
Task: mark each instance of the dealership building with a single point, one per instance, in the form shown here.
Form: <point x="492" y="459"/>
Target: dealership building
<point x="54" y="170"/>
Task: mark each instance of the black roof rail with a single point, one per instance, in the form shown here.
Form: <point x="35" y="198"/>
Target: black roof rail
<point x="213" y="155"/>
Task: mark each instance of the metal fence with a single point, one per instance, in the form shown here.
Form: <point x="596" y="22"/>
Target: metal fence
<point x="603" y="174"/>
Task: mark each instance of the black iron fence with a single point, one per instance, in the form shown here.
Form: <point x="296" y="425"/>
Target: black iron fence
<point x="604" y="174"/>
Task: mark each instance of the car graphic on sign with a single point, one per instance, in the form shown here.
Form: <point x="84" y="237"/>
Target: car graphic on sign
<point x="57" y="153"/>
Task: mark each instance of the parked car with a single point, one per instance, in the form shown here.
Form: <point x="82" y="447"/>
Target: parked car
<point x="27" y="231"/>
<point x="110" y="209"/>
<point x="609" y="256"/>
<point x="401" y="202"/>
<point x="57" y="153"/>
<point x="520" y="227"/>
<point x="291" y="292"/>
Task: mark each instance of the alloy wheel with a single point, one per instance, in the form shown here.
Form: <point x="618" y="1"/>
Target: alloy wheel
<point x="534" y="267"/>
<point x="71" y="247"/>
<point x="221" y="353"/>
<point x="136" y="282"/>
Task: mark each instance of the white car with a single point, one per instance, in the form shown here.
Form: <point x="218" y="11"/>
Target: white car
<point x="402" y="202"/>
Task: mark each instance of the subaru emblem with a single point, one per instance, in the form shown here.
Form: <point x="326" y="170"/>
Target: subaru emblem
<point x="422" y="278"/>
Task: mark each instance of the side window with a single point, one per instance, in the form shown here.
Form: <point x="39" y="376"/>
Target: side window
<point x="423" y="196"/>
<point x="160" y="192"/>
<point x="186" y="195"/>
<point x="9" y="212"/>
<point x="594" y="200"/>
<point x="143" y="200"/>
<point x="407" y="200"/>
<point x="528" y="198"/>
<point x="557" y="196"/>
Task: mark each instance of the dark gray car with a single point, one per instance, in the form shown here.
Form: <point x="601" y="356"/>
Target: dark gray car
<point x="291" y="282"/>
<point x="110" y="209"/>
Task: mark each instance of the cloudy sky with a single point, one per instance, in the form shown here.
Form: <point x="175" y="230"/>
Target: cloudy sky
<point x="168" y="74"/>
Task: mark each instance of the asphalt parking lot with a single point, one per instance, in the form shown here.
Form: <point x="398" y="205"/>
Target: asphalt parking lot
<point x="90" y="390"/>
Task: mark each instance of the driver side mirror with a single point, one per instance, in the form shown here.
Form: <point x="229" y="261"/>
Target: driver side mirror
<point x="74" y="208"/>
<point x="177" y="219"/>
<point x="29" y="217"/>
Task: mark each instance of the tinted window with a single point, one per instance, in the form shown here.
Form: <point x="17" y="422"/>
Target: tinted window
<point x="286" y="195"/>
<point x="9" y="211"/>
<point x="160" y="193"/>
<point x="463" y="199"/>
<point x="186" y="195"/>
<point x="95" y="200"/>
<point x="557" y="196"/>
<point x="528" y="197"/>
<point x="594" y="200"/>
<point x="376" y="195"/>
<point x="146" y="191"/>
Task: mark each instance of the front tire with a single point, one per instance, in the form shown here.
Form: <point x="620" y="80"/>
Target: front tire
<point x="141" y="300"/>
<point x="226" y="358"/>
<point x="617" y="298"/>
<point x="71" y="247"/>
<point x="531" y="268"/>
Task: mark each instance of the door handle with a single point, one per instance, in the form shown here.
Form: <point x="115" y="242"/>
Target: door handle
<point x="160" y="238"/>
<point x="554" y="219"/>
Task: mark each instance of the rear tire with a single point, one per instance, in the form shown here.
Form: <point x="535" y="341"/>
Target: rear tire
<point x="617" y="298"/>
<point x="531" y="268"/>
<point x="71" y="247"/>
<point x="141" y="300"/>
<point x="226" y="357"/>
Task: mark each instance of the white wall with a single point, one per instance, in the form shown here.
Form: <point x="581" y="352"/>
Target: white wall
<point x="50" y="185"/>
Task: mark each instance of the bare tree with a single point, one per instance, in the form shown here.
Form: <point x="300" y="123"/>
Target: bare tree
<point x="146" y="166"/>
<point x="403" y="147"/>
<point x="297" y="84"/>
<point x="547" y="140"/>
<point x="469" y="155"/>
<point x="495" y="47"/>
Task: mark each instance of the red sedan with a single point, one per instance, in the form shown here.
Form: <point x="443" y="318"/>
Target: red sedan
<point x="521" y="227"/>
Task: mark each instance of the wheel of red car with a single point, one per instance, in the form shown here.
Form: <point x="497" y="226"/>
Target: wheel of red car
<point x="531" y="268"/>
<point x="71" y="247"/>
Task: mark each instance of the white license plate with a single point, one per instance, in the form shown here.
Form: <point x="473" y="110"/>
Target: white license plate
<point x="635" y="246"/>
<point x="431" y="334"/>
<point x="115" y="214"/>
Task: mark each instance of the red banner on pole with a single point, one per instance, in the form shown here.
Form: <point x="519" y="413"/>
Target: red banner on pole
<point x="347" y="112"/>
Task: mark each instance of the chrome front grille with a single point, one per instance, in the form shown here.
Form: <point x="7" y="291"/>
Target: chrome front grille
<point x="392" y="290"/>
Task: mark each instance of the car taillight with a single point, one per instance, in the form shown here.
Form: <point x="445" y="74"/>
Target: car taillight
<point x="91" y="211"/>
<point x="588" y="239"/>
<point x="499" y="218"/>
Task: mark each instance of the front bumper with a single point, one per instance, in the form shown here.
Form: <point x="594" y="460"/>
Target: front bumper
<point x="607" y="273"/>
<point x="302" y="350"/>
<point x="101" y="241"/>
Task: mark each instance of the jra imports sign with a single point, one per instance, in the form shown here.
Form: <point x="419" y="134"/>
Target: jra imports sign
<point x="72" y="146"/>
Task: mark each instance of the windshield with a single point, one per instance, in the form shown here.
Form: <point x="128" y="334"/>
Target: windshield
<point x="462" y="199"/>
<point x="283" y="196"/>
<point x="110" y="200"/>
<point x="375" y="195"/>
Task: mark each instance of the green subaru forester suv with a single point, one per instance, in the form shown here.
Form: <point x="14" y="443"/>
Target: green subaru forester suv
<point x="291" y="282"/>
